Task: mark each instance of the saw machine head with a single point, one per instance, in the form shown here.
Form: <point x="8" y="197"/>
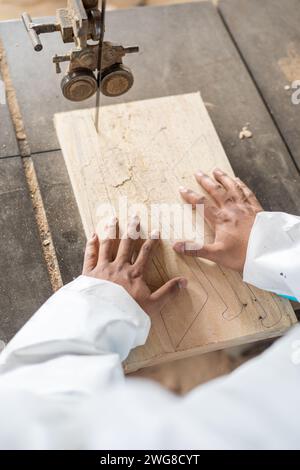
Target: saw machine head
<point x="82" y="23"/>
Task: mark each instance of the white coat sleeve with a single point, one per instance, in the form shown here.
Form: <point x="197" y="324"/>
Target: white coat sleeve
<point x="273" y="255"/>
<point x="88" y="316"/>
<point x="69" y="351"/>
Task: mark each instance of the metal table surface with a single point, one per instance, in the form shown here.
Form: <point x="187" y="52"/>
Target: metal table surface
<point x="184" y="48"/>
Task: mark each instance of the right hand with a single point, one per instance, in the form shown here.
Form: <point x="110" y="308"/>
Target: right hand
<point x="102" y="262"/>
<point x="231" y="213"/>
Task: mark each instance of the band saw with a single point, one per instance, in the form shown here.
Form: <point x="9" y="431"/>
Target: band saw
<point x="94" y="65"/>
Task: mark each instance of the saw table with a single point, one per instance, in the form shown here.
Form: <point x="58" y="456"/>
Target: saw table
<point x="241" y="57"/>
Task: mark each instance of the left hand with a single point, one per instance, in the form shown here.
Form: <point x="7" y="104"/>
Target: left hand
<point x="101" y="263"/>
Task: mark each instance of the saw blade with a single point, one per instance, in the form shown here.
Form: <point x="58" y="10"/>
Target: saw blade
<point x="99" y="65"/>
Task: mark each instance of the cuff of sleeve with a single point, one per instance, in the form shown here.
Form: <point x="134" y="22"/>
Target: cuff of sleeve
<point x="87" y="316"/>
<point x="117" y="299"/>
<point x="273" y="254"/>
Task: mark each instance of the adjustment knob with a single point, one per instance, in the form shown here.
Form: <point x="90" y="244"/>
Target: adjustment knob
<point x="79" y="85"/>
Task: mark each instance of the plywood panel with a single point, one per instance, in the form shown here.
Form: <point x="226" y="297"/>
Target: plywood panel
<point x="145" y="150"/>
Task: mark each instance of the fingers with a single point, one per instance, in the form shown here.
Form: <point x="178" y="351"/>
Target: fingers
<point x="212" y="187"/>
<point x="168" y="291"/>
<point x="191" y="197"/>
<point x="249" y="195"/>
<point x="227" y="182"/>
<point x="210" y="251"/>
<point x="128" y="240"/>
<point x="226" y="189"/>
<point x="146" y="251"/>
<point x="236" y="189"/>
<point x="107" y="244"/>
<point x="91" y="254"/>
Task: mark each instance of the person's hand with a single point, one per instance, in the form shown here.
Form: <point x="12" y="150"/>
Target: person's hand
<point x="230" y="212"/>
<point x="101" y="262"/>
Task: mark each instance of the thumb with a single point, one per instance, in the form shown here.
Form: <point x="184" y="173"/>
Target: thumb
<point x="210" y="251"/>
<point x="168" y="291"/>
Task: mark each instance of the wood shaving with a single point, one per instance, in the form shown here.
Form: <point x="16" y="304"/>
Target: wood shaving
<point x="245" y="133"/>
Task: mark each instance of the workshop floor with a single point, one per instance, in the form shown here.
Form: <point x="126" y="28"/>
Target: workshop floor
<point x="10" y="9"/>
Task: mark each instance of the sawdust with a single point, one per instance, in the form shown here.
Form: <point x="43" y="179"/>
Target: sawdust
<point x="42" y="222"/>
<point x="245" y="133"/>
<point x="13" y="104"/>
<point x="30" y="175"/>
<point x="290" y="65"/>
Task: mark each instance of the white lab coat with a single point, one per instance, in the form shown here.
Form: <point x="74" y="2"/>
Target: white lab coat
<point x="62" y="384"/>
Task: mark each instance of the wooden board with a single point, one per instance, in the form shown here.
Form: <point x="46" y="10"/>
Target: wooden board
<point x="147" y="149"/>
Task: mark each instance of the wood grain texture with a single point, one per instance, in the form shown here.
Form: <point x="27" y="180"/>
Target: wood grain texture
<point x="145" y="150"/>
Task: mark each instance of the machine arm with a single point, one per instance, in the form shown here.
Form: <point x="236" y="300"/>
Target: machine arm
<point x="81" y="23"/>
